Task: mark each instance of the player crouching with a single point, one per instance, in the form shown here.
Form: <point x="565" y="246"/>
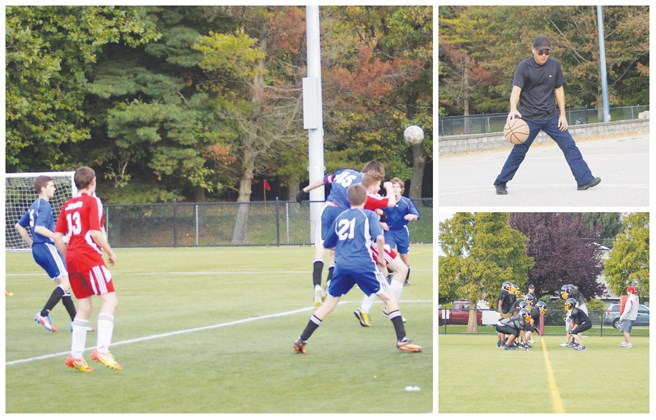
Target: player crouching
<point x="580" y="322"/>
<point x="513" y="327"/>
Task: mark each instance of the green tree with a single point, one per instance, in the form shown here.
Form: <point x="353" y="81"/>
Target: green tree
<point x="607" y="224"/>
<point x="51" y="50"/>
<point x="628" y="262"/>
<point x="480" y="251"/>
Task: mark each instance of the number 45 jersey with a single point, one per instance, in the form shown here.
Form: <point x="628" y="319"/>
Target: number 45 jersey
<point x="79" y="216"/>
<point x="340" y="181"/>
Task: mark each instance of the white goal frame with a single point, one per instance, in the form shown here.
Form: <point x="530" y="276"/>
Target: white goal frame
<point x="16" y="203"/>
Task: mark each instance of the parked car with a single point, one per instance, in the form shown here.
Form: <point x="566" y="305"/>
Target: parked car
<point x="612" y="315"/>
<point x="459" y="314"/>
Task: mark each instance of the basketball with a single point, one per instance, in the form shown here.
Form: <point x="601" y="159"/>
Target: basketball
<point x="516" y="131"/>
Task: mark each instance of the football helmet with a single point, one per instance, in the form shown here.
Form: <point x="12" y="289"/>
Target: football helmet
<point x="525" y="314"/>
<point x="542" y="307"/>
<point x="530" y="299"/>
<point x="522" y="304"/>
<point x="507" y="286"/>
<point x="515" y="289"/>
<point x="570" y="303"/>
<point x="566" y="290"/>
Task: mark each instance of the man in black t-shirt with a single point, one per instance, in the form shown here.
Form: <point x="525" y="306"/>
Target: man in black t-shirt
<point x="537" y="87"/>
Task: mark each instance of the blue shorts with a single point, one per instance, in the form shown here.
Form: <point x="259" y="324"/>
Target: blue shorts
<point x="398" y="239"/>
<point x="626" y="325"/>
<point x="342" y="281"/>
<point x="328" y="215"/>
<point x="48" y="257"/>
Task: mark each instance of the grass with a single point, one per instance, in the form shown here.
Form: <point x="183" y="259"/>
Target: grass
<point x="236" y="312"/>
<point x="603" y="379"/>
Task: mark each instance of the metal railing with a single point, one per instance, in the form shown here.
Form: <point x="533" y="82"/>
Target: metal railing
<point x="275" y="223"/>
<point x="491" y="123"/>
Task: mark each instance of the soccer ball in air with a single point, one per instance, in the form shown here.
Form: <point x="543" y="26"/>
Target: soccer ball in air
<point x="413" y="134"/>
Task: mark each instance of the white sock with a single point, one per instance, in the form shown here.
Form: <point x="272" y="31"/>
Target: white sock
<point x="105" y="330"/>
<point x="79" y="337"/>
<point x="367" y="303"/>
<point x="397" y="289"/>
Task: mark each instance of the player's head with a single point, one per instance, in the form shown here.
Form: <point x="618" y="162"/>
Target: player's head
<point x="522" y="305"/>
<point x="398" y="183"/>
<point x="525" y="314"/>
<point x="84" y="177"/>
<point x="515" y="289"/>
<point x="371" y="183"/>
<point x="566" y="291"/>
<point x="507" y="286"/>
<point x="631" y="289"/>
<point x="541" y="49"/>
<point x="375" y="169"/>
<point x="530" y="299"/>
<point x="41" y="182"/>
<point x="357" y="194"/>
<point x="531" y="288"/>
<point x="542" y="307"/>
<point x="570" y="303"/>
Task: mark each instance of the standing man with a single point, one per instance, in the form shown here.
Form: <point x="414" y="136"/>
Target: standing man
<point x="537" y="87"/>
<point x="397" y="218"/>
<point x="351" y="234"/>
<point x="82" y="218"/>
<point x="629" y="315"/>
<point x="40" y="220"/>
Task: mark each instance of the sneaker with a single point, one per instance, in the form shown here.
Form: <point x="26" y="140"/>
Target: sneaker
<point x="501" y="188"/>
<point x="564" y="344"/>
<point x="45" y="321"/>
<point x="363" y="317"/>
<point x="505" y="347"/>
<point x="407" y="347"/>
<point x="579" y="348"/>
<point x="299" y="346"/>
<point x="386" y="315"/>
<point x="590" y="184"/>
<point x="628" y="346"/>
<point x="623" y="344"/>
<point x="106" y="359"/>
<point x="573" y="344"/>
<point x="531" y="341"/>
<point x="79" y="364"/>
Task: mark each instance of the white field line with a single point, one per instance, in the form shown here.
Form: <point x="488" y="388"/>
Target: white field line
<point x="190" y="330"/>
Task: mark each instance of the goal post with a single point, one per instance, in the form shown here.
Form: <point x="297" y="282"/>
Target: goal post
<point x="20" y="194"/>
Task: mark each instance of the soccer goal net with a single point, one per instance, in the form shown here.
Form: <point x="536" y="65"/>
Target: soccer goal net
<point x="19" y="195"/>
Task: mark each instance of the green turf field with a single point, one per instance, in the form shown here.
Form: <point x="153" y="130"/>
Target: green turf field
<point x="477" y="377"/>
<point x="210" y="330"/>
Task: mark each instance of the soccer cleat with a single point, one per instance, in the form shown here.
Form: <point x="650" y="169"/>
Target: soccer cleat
<point x="407" y="347"/>
<point x="579" y="348"/>
<point x="45" y="321"/>
<point x="79" y="364"/>
<point x="506" y="347"/>
<point x="363" y="317"/>
<point x="106" y="359"/>
<point x="317" y="296"/>
<point x="386" y="315"/>
<point x="299" y="346"/>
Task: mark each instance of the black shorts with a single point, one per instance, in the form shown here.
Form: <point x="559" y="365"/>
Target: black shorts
<point x="529" y="328"/>
<point x="580" y="328"/>
<point x="504" y="329"/>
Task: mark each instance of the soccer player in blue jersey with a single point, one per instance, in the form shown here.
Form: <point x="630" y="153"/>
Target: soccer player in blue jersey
<point x="351" y="234"/>
<point x="40" y="220"/>
<point x="397" y="218"/>
<point x="336" y="202"/>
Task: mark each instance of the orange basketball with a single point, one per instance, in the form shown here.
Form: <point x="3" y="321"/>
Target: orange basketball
<point x="516" y="131"/>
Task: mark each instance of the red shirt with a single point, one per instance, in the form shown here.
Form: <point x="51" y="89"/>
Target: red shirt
<point x="79" y="216"/>
<point x="375" y="202"/>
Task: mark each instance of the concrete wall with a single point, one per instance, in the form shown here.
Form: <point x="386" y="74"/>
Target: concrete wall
<point x="476" y="142"/>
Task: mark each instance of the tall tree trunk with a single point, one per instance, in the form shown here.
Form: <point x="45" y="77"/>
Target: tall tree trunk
<point x="239" y="234"/>
<point x="472" y="322"/>
<point x="292" y="187"/>
<point x="418" y="166"/>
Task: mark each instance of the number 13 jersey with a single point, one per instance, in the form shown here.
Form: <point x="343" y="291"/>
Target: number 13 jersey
<point x="79" y="216"/>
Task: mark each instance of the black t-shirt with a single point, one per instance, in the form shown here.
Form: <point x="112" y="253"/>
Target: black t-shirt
<point x="515" y="321"/>
<point x="579" y="317"/>
<point x="537" y="100"/>
<point x="535" y="314"/>
<point x="507" y="299"/>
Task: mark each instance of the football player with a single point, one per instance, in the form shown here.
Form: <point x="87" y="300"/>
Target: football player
<point x="513" y="327"/>
<point x="505" y="303"/>
<point x="580" y="320"/>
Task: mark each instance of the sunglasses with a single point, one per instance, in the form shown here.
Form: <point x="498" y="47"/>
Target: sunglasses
<point x="544" y="52"/>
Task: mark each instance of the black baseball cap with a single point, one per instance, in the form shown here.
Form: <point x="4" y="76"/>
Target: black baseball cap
<point x="542" y="43"/>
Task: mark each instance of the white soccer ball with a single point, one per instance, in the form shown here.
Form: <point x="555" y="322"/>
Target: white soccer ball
<point x="413" y="134"/>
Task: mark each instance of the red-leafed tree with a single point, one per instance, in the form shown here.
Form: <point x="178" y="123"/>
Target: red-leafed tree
<point x="564" y="250"/>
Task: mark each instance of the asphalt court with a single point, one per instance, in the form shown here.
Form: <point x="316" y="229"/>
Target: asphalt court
<point x="544" y="178"/>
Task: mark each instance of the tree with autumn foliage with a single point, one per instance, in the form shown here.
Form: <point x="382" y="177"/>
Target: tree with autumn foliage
<point x="564" y="250"/>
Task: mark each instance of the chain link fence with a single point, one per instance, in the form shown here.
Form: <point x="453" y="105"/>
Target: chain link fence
<point x="492" y="123"/>
<point x="270" y="223"/>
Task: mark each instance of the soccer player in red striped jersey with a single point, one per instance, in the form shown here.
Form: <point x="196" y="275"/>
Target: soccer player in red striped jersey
<point x="81" y="218"/>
